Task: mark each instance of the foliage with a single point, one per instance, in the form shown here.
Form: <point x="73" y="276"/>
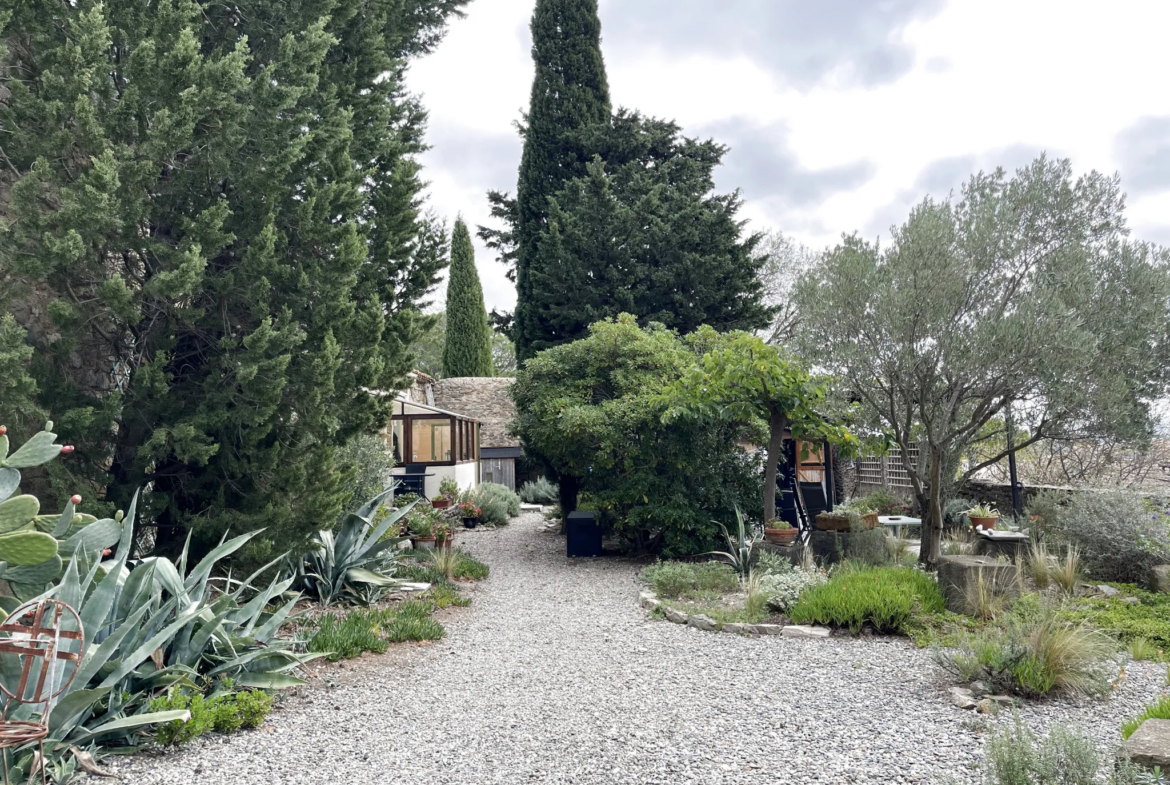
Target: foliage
<point x="886" y="598"/>
<point x="690" y="580"/>
<point x="223" y="211"/>
<point x="1063" y="757"/>
<point x="468" y="509"/>
<point x="427" y="348"/>
<point x="1034" y="656"/>
<point x="629" y="234"/>
<point x="467" y="567"/>
<point x="18" y="389"/>
<point x="784" y="261"/>
<point x="503" y="355"/>
<point x="467" y="348"/>
<point x="593" y="410"/>
<point x="970" y="319"/>
<point x="739" y="548"/>
<point x="1066" y="573"/>
<point x="223" y="713"/>
<point x="412" y="622"/>
<point x="1039" y="564"/>
<point x="784" y="584"/>
<point x="982" y="511"/>
<point x="1119" y="534"/>
<point x="569" y="92"/>
<point x="1143" y="649"/>
<point x="497" y="503"/>
<point x="1160" y="710"/>
<point x="1120" y="617"/>
<point x="354" y="563"/>
<point x="885" y="503"/>
<point x="539" y="491"/>
<point x="448" y="487"/>
<point x="740" y="378"/>
<point x="350" y="635"/>
<point x="369" y="463"/>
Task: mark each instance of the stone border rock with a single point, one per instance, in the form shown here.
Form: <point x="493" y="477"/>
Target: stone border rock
<point x="650" y="601"/>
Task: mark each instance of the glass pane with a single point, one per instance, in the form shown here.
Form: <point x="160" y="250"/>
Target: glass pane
<point x="395" y="442"/>
<point x="430" y="440"/>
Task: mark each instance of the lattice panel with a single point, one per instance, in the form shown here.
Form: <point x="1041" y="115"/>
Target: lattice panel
<point x="896" y="474"/>
<point x="869" y="471"/>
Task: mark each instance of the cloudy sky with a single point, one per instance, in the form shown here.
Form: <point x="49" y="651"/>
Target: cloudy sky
<point x="840" y="114"/>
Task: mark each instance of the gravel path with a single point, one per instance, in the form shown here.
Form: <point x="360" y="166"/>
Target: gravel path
<point x="555" y="675"/>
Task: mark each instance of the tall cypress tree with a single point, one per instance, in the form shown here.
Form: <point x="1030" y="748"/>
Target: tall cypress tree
<point x="212" y="214"/>
<point x="569" y="92"/>
<point x="467" y="350"/>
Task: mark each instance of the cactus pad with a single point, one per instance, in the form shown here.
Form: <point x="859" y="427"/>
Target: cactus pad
<point x="25" y="548"/>
<point x="18" y="511"/>
<point x="37" y="573"/>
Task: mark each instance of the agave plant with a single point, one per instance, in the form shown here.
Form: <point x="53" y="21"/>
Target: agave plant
<point x="356" y="562"/>
<point x="739" y="550"/>
<point x="149" y="623"/>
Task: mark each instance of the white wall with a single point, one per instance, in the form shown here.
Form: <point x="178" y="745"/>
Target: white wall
<point x="466" y="474"/>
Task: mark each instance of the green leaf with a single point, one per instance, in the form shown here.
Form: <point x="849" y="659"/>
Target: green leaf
<point x="27" y="547"/>
<point x="75" y="702"/>
<point x="36" y="573"/>
<point x="9" y="482"/>
<point x="133" y="721"/>
<point x="140" y="655"/>
<point x="268" y="681"/>
<point x="98" y="536"/>
<point x="362" y="575"/>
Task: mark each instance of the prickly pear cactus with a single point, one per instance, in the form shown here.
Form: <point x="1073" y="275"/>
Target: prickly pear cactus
<point x="24" y="548"/>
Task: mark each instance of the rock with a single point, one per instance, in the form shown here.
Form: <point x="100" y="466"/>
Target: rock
<point x="987" y="706"/>
<point x="804" y="631"/>
<point x="409" y="586"/>
<point x="526" y="507"/>
<point x="1150" y="744"/>
<point x="648" y="600"/>
<point x="739" y="629"/>
<point x="1160" y="578"/>
<point x="678" y="617"/>
<point x="769" y="629"/>
<point x="1005" y="700"/>
<point x="704" y="623"/>
<point x="1130" y="600"/>
<point x="1108" y="591"/>
<point x="958" y="577"/>
<point x="980" y="687"/>
<point x="406" y="545"/>
<point x="962" y="698"/>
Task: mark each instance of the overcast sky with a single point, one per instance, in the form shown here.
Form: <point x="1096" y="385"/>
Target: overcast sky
<point x="840" y="114"/>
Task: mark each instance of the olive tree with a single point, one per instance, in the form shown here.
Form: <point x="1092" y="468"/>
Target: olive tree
<point x="1024" y="291"/>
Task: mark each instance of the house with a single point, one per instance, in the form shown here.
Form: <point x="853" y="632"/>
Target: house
<point x="453" y="428"/>
<point x="489" y="401"/>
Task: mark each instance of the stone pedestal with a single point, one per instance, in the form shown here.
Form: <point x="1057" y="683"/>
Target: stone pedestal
<point x="867" y="545"/>
<point x="1160" y="578"/>
<point x="1003" y="545"/>
<point x="958" y="577"/>
<point x="1150" y="744"/>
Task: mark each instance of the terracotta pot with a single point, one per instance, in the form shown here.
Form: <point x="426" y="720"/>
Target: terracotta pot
<point x="781" y="536"/>
<point x="423" y="543"/>
<point x="444" y="544"/>
<point x="984" y="523"/>
<point x="441" y="503"/>
<point x="470" y="523"/>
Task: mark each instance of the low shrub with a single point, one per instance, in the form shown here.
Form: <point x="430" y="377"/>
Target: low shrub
<point x="1035" y="656"/>
<point x="412" y="622"/>
<point x="444" y="595"/>
<point x="785" y="585"/>
<point x="886" y="503"/>
<point x="886" y="598"/>
<point x="467" y="567"/>
<point x="350" y="635"/>
<point x="1155" y="711"/>
<point x="1119" y="616"/>
<point x="674" y="579"/>
<point x="539" y="491"/>
<point x="1119" y="534"/>
<point x="1141" y="649"/>
<point x="222" y="713"/>
<point x="1064" y="757"/>
<point x="496" y="502"/>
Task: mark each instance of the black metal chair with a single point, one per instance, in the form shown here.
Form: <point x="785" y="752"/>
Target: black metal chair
<point x="414" y="480"/>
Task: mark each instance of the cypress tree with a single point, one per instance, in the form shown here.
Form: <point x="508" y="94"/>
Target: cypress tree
<point x="467" y="350"/>
<point x="569" y="92"/>
<point x="215" y="210"/>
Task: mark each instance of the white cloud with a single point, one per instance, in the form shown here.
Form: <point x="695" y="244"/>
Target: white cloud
<point x="977" y="83"/>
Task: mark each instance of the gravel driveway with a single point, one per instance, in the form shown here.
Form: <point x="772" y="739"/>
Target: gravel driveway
<point x="555" y="675"/>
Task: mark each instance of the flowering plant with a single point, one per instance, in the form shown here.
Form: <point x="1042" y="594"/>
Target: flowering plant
<point x="468" y="509"/>
<point x="442" y="529"/>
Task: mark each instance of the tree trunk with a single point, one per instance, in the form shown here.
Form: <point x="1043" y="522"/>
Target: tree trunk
<point x="567" y="488"/>
<point x="777" y="422"/>
<point x="932" y="523"/>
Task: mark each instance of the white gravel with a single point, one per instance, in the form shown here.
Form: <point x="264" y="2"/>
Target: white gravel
<point x="555" y="675"/>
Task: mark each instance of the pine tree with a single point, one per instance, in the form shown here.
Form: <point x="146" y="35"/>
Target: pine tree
<point x="569" y="92"/>
<point x="467" y="350"/>
<point x="216" y="209"/>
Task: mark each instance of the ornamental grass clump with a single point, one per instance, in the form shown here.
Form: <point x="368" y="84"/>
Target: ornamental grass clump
<point x="886" y="598"/>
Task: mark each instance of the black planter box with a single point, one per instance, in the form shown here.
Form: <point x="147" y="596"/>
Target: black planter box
<point x="584" y="534"/>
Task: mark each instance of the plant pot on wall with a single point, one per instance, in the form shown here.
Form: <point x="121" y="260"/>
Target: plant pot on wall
<point x="983" y="523"/>
<point x="470" y="523"/>
<point x="441" y="503"/>
<point x="781" y="536"/>
<point x="444" y="543"/>
<point x="423" y="543"/>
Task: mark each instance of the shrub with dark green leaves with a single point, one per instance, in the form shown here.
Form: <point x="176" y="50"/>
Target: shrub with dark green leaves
<point x="222" y="713"/>
<point x="676" y="579"/>
<point x="887" y="598"/>
<point x="349" y="636"/>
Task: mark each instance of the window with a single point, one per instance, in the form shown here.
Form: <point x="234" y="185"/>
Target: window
<point x="394" y="441"/>
<point x="430" y="440"/>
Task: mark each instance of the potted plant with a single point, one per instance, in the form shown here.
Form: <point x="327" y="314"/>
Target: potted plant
<point x="448" y="489"/>
<point x="780" y="532"/>
<point x="469" y="513"/>
<point x="443" y="535"/>
<point x="847" y="517"/>
<point x="422" y="532"/>
<point x="983" y="517"/>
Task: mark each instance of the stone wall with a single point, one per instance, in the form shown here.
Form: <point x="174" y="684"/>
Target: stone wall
<point x="487" y="399"/>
